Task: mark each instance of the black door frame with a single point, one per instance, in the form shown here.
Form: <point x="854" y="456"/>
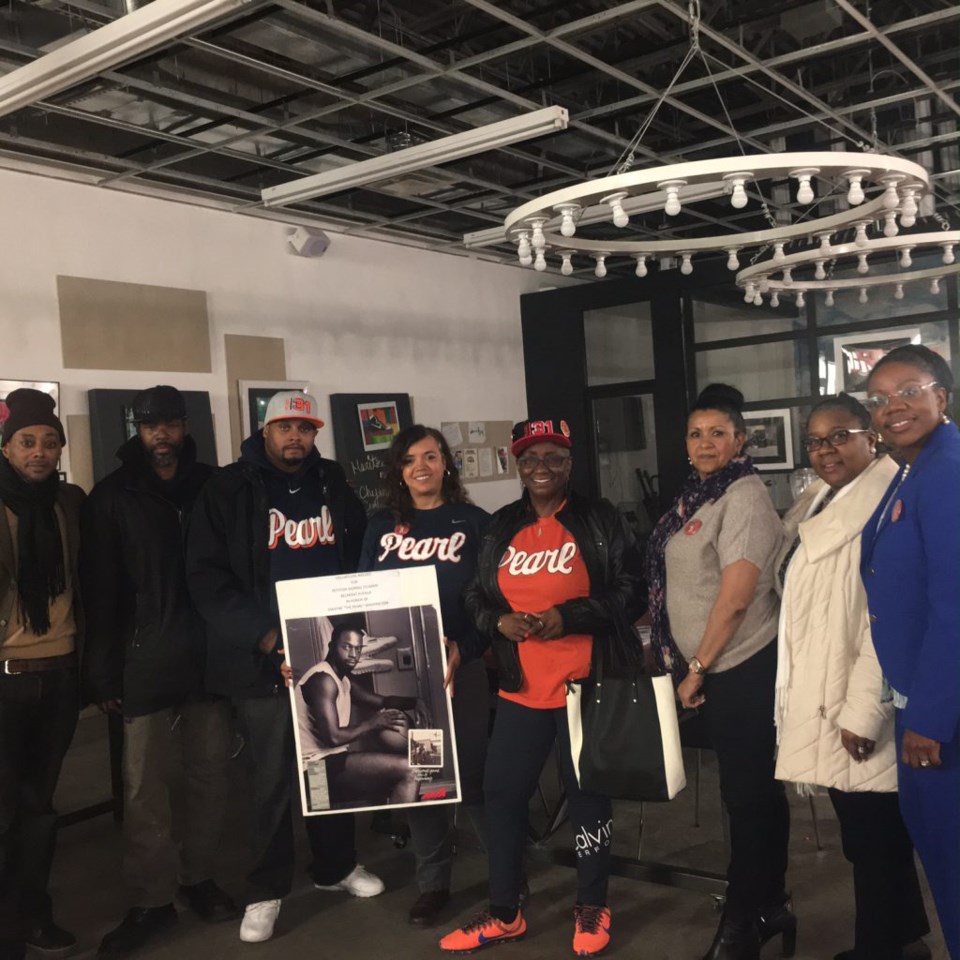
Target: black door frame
<point x="555" y="362"/>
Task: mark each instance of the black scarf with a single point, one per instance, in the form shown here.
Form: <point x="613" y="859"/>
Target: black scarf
<point x="41" y="573"/>
<point x="693" y="496"/>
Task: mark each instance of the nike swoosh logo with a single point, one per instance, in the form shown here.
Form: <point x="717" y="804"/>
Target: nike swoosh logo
<point x="298" y="489"/>
<point x="458" y="521"/>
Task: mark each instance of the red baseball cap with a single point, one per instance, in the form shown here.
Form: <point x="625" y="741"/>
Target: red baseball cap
<point x="528" y="432"/>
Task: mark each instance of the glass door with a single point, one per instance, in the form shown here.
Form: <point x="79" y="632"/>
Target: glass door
<point x="625" y="451"/>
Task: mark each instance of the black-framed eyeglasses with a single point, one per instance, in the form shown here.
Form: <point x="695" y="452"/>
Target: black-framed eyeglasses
<point x="836" y="439"/>
<point x="877" y="401"/>
<point x="552" y="461"/>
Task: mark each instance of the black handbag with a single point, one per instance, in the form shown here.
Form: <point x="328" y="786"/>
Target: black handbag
<point x="624" y="733"/>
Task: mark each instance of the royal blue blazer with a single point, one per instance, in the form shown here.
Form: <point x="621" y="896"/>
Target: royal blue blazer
<point x="911" y="571"/>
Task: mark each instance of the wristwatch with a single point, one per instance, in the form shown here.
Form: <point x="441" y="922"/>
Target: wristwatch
<point x="696" y="666"/>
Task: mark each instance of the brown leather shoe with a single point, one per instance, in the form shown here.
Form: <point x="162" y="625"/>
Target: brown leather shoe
<point x="428" y="906"/>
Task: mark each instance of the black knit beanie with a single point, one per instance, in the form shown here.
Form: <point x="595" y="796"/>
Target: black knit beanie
<point x="30" y="408"/>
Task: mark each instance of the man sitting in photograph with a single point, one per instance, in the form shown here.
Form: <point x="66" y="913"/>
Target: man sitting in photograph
<point x="358" y="772"/>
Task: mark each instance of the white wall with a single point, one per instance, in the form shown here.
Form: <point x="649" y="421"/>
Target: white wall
<point x="368" y="316"/>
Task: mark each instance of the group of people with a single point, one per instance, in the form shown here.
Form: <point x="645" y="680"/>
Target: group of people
<point x="820" y="649"/>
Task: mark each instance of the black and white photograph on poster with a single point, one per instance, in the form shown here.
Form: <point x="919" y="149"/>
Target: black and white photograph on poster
<point x="769" y="439"/>
<point x="426" y="748"/>
<point x="372" y="721"/>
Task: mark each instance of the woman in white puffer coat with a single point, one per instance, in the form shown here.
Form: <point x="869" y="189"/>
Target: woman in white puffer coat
<point x="834" y="717"/>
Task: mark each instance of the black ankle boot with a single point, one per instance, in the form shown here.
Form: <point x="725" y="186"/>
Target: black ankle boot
<point x="779" y="919"/>
<point x="736" y="939"/>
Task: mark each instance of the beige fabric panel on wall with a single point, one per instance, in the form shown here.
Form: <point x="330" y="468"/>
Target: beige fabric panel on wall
<point x="250" y="358"/>
<point x="106" y="325"/>
<point x="79" y="448"/>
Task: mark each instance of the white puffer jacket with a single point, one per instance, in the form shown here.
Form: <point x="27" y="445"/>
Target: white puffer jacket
<point x="828" y="677"/>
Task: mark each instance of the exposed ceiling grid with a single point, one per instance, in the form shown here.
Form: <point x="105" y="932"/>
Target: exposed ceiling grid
<point x="288" y="88"/>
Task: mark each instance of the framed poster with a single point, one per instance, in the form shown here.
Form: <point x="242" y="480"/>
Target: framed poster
<point x="111" y="425"/>
<point x="379" y="424"/>
<point x="856" y="354"/>
<point x="769" y="439"/>
<point x="364" y="426"/>
<point x="372" y="721"/>
<point x="46" y="386"/>
<point x="254" y="397"/>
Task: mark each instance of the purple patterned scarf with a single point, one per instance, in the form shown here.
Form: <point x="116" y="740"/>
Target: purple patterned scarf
<point x="693" y="496"/>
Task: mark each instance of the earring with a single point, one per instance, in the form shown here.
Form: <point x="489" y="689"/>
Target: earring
<point x="446" y="473"/>
<point x="689" y="461"/>
<point x="944" y="418"/>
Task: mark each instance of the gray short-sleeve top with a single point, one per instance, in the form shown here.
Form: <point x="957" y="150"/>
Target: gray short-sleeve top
<point x="741" y="525"/>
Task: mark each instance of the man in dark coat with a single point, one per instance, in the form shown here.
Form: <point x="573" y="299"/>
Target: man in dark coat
<point x="281" y="512"/>
<point x="145" y="660"/>
<point x="41" y="633"/>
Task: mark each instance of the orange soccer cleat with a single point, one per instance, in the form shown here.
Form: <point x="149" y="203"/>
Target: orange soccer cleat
<point x="591" y="933"/>
<point x="483" y="931"/>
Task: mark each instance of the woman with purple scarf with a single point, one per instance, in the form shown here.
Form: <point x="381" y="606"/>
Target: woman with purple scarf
<point x="714" y="610"/>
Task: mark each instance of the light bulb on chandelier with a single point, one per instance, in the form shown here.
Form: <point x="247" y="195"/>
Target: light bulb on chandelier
<point x="568" y="211"/>
<point x="855" y="194"/>
<point x="615" y="202"/>
<point x="805" y="192"/>
<point x="733" y="262"/>
<point x="641" y="270"/>
<point x="600" y="271"/>
<point x="686" y="264"/>
<point x="540" y="263"/>
<point x="566" y="268"/>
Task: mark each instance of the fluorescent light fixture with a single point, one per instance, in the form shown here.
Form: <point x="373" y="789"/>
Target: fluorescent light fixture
<point x="601" y="212"/>
<point x="492" y="136"/>
<point x="119" y="41"/>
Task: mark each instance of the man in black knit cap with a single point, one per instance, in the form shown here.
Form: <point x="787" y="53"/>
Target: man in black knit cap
<point x="41" y="630"/>
<point x="145" y="658"/>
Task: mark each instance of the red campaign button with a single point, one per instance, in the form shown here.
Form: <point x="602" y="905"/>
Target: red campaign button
<point x="401" y="529"/>
<point x="897" y="511"/>
<point x="693" y="527"/>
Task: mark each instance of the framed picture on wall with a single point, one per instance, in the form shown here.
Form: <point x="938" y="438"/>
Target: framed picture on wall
<point x="769" y="439"/>
<point x="46" y="386"/>
<point x="856" y="354"/>
<point x="379" y="424"/>
<point x="364" y="425"/>
<point x="254" y="397"/>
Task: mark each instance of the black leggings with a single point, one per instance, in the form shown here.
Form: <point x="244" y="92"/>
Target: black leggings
<point x="889" y="904"/>
<point x="738" y="718"/>
<point x="520" y="744"/>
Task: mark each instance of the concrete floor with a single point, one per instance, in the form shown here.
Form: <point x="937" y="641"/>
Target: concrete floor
<point x="650" y="920"/>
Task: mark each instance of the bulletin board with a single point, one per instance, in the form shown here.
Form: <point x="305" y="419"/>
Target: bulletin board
<point x="481" y="449"/>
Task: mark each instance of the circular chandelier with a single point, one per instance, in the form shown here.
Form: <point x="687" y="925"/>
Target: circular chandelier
<point x="775" y="276"/>
<point x="550" y="223"/>
<point x="883" y="194"/>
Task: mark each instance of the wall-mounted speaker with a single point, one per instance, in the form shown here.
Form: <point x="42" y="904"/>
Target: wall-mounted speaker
<point x="307" y="242"/>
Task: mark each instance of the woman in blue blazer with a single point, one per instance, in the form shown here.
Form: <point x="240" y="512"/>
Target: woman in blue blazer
<point x="910" y="564"/>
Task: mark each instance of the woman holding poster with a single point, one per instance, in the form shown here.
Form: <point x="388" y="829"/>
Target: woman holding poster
<point x="555" y="571"/>
<point x="429" y="521"/>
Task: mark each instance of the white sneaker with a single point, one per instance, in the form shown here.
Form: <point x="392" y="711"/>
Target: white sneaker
<point x="259" y="920"/>
<point x="359" y="882"/>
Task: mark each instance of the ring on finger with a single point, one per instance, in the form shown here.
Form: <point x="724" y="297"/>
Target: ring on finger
<point x="924" y="762"/>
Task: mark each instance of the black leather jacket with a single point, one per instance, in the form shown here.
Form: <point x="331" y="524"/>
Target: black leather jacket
<point x="614" y="564"/>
